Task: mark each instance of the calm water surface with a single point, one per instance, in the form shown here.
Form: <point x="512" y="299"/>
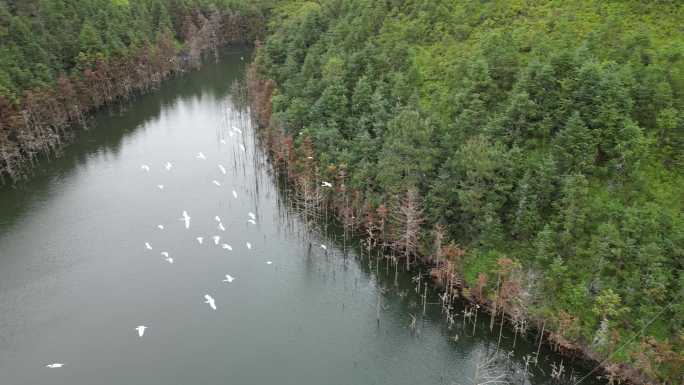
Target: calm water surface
<point x="76" y="278"/>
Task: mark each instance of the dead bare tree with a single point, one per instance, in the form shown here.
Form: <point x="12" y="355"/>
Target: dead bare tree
<point x="487" y="372"/>
<point x="408" y="219"/>
<point x="437" y="247"/>
<point x="371" y="229"/>
<point x="383" y="215"/>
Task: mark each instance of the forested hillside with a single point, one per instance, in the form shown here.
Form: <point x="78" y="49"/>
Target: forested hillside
<point x="534" y="149"/>
<point x="62" y="59"/>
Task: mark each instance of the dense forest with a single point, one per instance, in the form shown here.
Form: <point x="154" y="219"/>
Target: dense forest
<point x="60" y="60"/>
<point x="530" y="151"/>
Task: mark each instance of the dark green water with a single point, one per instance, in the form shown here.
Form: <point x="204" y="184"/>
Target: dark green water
<point x="76" y="278"/>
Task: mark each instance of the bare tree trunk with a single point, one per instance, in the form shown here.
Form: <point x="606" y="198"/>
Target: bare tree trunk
<point x="541" y="338"/>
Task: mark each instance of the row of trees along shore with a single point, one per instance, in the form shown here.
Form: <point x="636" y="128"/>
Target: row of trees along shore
<point x="60" y="60"/>
<point x="532" y="155"/>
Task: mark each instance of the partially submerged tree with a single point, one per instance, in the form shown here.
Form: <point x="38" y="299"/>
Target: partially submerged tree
<point x="407" y="220"/>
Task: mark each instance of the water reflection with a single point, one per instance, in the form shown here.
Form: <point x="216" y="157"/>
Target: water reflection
<point x="109" y="128"/>
<point x="76" y="279"/>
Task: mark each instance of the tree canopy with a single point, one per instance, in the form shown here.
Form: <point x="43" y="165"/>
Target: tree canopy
<point x="549" y="132"/>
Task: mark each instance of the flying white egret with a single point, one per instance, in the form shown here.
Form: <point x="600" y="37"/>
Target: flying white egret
<point x="269" y="262"/>
<point x="200" y="240"/>
<point x="165" y="254"/>
<point x="251" y="215"/>
<point x="217" y="218"/>
<point x="223" y="169"/>
<point x="55" y="365"/>
<point x="221" y="227"/>
<point x="148" y="246"/>
<point x="249" y="245"/>
<point x="168" y="166"/>
<point x="216" y="182"/>
<point x="169" y="260"/>
<point x="141" y="330"/>
<point x="324" y="247"/>
<point x="210" y="301"/>
<point x="242" y="147"/>
<point x="227" y="247"/>
<point x="309" y="157"/>
<point x="160" y="186"/>
<point x="229" y="278"/>
<point x="160" y="227"/>
<point x="145" y="168"/>
<point x="234" y="194"/>
<point x="216" y="239"/>
<point x="326" y="184"/>
<point x="236" y="129"/>
<point x="200" y="156"/>
<point x="186" y="218"/>
<point x="252" y="221"/>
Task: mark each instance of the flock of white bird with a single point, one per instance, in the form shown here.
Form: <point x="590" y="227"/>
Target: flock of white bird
<point x="186" y="219"/>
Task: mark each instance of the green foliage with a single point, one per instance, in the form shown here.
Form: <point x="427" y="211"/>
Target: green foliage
<point x="41" y="39"/>
<point x="607" y="305"/>
<point x="551" y="132"/>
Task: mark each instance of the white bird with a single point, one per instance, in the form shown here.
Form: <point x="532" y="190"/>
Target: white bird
<point x="200" y="240"/>
<point x="326" y="184"/>
<point x="223" y="169"/>
<point x="242" y="147"/>
<point x="160" y="186"/>
<point x="269" y="262"/>
<point x="54" y="366"/>
<point x="200" y="156"/>
<point x="227" y="246"/>
<point x="169" y="260"/>
<point x="221" y="227"/>
<point x="229" y="278"/>
<point x="165" y="254"/>
<point x="160" y="227"/>
<point x="239" y="131"/>
<point x="148" y="246"/>
<point x="234" y="194"/>
<point x="252" y="221"/>
<point x="217" y="218"/>
<point x="216" y="182"/>
<point x="210" y="301"/>
<point x="168" y="166"/>
<point x="324" y="247"/>
<point x="309" y="157"/>
<point x="145" y="168"/>
<point x="251" y="215"/>
<point x="249" y="245"/>
<point x="186" y="218"/>
<point x="141" y="330"/>
<point x="216" y="239"/>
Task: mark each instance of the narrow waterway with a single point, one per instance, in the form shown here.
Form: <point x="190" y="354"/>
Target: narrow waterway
<point x="76" y="277"/>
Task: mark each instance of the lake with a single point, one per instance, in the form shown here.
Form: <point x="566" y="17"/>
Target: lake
<point x="76" y="277"/>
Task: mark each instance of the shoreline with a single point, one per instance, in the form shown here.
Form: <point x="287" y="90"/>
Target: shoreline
<point x="42" y="121"/>
<point x="281" y="150"/>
